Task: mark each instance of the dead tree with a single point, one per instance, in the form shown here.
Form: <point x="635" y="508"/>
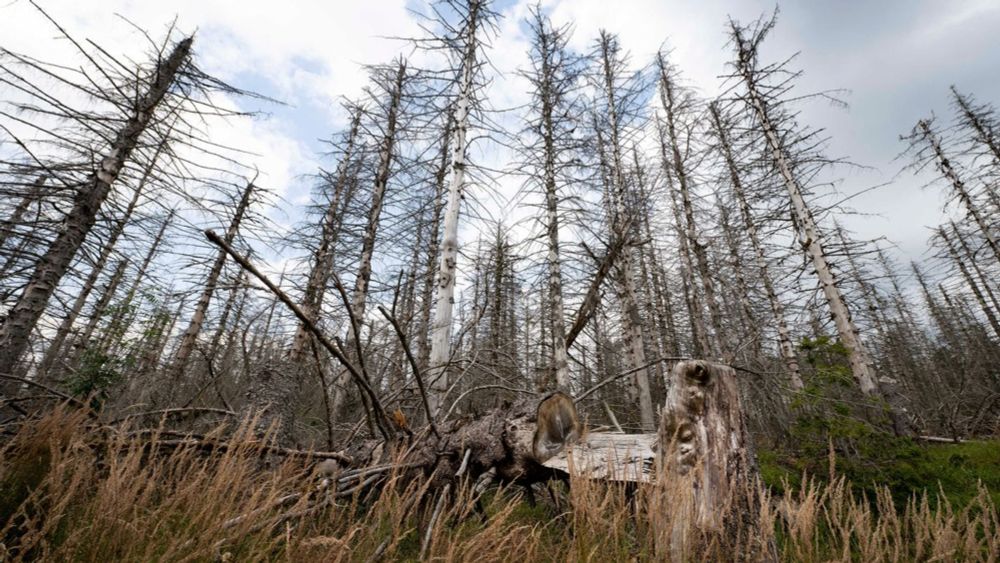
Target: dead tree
<point x="475" y="17"/>
<point x="981" y="121"/>
<point x="190" y="336"/>
<point x="970" y="281"/>
<point x="55" y="349"/>
<point x="609" y="78"/>
<point x="341" y="183"/>
<point x="678" y="106"/>
<point x="434" y="245"/>
<point x="749" y="223"/>
<point x="118" y="323"/>
<point x="89" y="198"/>
<point x="766" y="110"/>
<point x="704" y="444"/>
<point x="553" y="74"/>
<point x="394" y="91"/>
<point x="926" y="147"/>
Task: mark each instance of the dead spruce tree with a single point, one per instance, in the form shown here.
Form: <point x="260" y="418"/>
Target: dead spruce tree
<point x="978" y="287"/>
<point x="549" y="150"/>
<point x="91" y="193"/>
<point x="927" y="148"/>
<point x="725" y="146"/>
<point x="98" y="132"/>
<point x="337" y="189"/>
<point x="55" y="347"/>
<point x="616" y="107"/>
<point x="761" y="92"/>
<point x="678" y="130"/>
<point x="189" y="338"/>
<point x="462" y="37"/>
<point x="389" y="95"/>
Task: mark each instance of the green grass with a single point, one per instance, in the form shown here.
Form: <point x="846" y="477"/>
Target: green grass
<point x="907" y="468"/>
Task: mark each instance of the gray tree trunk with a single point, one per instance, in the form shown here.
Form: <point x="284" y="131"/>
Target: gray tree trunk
<point x="190" y="337"/>
<point x="861" y="364"/>
<point x="52" y="266"/>
<point x="383" y="174"/>
<point x="319" y="275"/>
<point x="944" y="165"/>
<point x="440" y="352"/>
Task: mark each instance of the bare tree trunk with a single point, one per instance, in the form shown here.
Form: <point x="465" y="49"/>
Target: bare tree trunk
<point x="746" y="312"/>
<point x="234" y="291"/>
<point x="785" y="345"/>
<point x="557" y="328"/>
<point x="690" y="231"/>
<point x="440" y="353"/>
<point x="22" y="318"/>
<point x="102" y="303"/>
<point x="634" y="341"/>
<point x="319" y="275"/>
<point x="383" y="174"/>
<point x="704" y="447"/>
<point x="861" y="364"/>
<point x="974" y="262"/>
<point x="55" y="349"/>
<point x="116" y="322"/>
<point x="433" y="248"/>
<point x="949" y="172"/>
<point x="9" y="224"/>
<point x="190" y="336"/>
<point x="699" y="332"/>
<point x="970" y="281"/>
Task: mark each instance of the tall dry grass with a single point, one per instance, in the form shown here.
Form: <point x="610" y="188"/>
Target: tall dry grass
<point x="84" y="495"/>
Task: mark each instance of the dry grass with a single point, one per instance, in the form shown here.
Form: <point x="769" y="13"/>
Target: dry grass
<point x="68" y="494"/>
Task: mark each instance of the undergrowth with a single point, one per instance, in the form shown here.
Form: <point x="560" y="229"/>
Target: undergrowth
<point x="70" y="494"/>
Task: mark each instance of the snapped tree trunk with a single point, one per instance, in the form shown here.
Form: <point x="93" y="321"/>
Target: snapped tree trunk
<point x="707" y="463"/>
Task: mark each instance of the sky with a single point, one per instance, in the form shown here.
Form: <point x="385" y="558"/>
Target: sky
<point x="894" y="58"/>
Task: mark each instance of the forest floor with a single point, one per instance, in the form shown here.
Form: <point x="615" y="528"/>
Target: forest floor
<point x="72" y="492"/>
<point x="955" y="471"/>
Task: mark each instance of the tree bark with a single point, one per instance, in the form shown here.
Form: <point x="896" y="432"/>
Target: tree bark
<point x="557" y="327"/>
<point x="190" y="336"/>
<point x="707" y="455"/>
<point x="440" y="353"/>
<point x="22" y="318"/>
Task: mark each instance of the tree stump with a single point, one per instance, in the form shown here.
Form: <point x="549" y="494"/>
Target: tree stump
<point x="707" y="469"/>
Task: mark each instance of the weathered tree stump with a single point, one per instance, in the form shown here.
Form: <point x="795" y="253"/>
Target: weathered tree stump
<point x="705" y="448"/>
